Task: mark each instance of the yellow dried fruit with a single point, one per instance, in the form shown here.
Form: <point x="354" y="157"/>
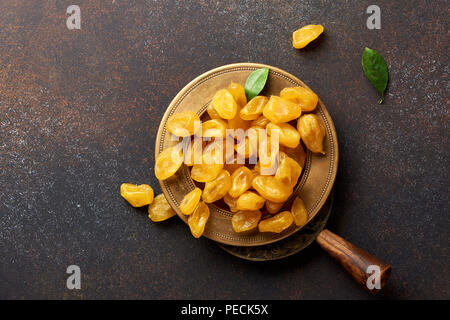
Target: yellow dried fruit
<point x="198" y="219"/>
<point x="238" y="93"/>
<point x="253" y="109"/>
<point x="210" y="166"/>
<point x="168" y="162"/>
<point x="312" y="132"/>
<point x="296" y="171"/>
<point x="182" y="124"/>
<point x="213" y="114"/>
<point x="271" y="188"/>
<point x="223" y="102"/>
<point x="284" y="172"/>
<point x="245" y="220"/>
<point x="299" y="212"/>
<point x="137" y="195"/>
<point x="278" y="110"/>
<point x="190" y="201"/>
<point x="215" y="190"/>
<point x="302" y="96"/>
<point x="215" y="128"/>
<point x="277" y="223"/>
<point x="288" y="171"/>
<point x="249" y="201"/>
<point x="205" y="172"/>
<point x="261" y="122"/>
<point x="241" y="181"/>
<point x="273" y="207"/>
<point x="306" y="34"/>
<point x="160" y="209"/>
<point x="231" y="202"/>
<point x="288" y="136"/>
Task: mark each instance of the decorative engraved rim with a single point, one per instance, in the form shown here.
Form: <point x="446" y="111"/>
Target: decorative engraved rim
<point x="259" y="239"/>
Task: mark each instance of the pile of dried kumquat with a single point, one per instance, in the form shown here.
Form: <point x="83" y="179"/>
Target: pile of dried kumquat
<point x="254" y="175"/>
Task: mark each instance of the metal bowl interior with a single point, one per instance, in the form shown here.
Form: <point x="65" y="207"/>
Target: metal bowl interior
<point x="318" y="174"/>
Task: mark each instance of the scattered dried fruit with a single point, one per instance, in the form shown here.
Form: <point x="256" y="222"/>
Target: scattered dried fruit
<point x="137" y="195"/>
<point x="303" y="36"/>
<point x="160" y="209"/>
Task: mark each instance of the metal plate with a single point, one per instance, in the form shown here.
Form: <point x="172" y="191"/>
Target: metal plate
<point x="318" y="174"/>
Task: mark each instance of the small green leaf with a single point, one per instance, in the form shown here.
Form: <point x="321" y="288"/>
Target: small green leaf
<point x="376" y="70"/>
<point x="255" y="83"/>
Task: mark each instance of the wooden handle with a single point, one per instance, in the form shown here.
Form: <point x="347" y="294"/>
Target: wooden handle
<point x="360" y="264"/>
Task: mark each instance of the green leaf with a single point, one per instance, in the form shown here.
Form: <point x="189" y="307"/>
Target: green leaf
<point x="376" y="70"/>
<point x="255" y="83"/>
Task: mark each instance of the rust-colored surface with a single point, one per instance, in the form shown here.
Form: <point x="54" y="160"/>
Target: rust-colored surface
<point x="80" y="110"/>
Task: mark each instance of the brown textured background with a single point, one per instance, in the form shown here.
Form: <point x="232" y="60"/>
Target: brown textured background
<point x="80" y="110"/>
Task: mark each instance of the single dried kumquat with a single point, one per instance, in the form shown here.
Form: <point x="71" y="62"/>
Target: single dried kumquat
<point x="238" y="93"/>
<point x="241" y="181"/>
<point x="253" y="109"/>
<point x="302" y="96"/>
<point x="271" y="188"/>
<point x="278" y="110"/>
<point x="224" y="103"/>
<point x="215" y="128"/>
<point x="210" y="166"/>
<point x="273" y="207"/>
<point x="278" y="223"/>
<point x="288" y="135"/>
<point x="303" y="36"/>
<point x="213" y="114"/>
<point x="249" y="201"/>
<point x="312" y="132"/>
<point x="190" y="201"/>
<point x="215" y="190"/>
<point x="231" y="202"/>
<point x="261" y="122"/>
<point x="160" y="210"/>
<point x="137" y="195"/>
<point x="299" y="212"/>
<point x="182" y="124"/>
<point x="168" y="162"/>
<point x="245" y="220"/>
<point x="284" y="172"/>
<point x="198" y="219"/>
